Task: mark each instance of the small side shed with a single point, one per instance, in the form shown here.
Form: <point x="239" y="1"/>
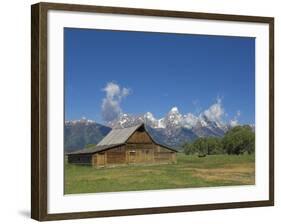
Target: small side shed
<point x="131" y="145"/>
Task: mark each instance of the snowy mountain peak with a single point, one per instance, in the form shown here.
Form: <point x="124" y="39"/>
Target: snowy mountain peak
<point x="150" y="120"/>
<point x="189" y="120"/>
<point x="208" y="123"/>
<point x="174" y="110"/>
<point x="149" y="115"/>
<point x="173" y="118"/>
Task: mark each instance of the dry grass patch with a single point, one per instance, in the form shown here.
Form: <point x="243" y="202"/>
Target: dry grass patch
<point x="244" y="174"/>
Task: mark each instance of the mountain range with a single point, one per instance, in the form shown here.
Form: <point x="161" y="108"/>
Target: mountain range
<point x="174" y="129"/>
<point x="80" y="133"/>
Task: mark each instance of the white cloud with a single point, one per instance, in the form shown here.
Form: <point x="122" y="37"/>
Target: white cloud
<point x="196" y="106"/>
<point x="111" y="103"/>
<point x="125" y="92"/>
<point x="215" y="112"/>
<point x="234" y="122"/>
<point x="238" y="113"/>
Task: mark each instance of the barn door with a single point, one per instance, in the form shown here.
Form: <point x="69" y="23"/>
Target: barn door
<point x="101" y="159"/>
<point x="132" y="156"/>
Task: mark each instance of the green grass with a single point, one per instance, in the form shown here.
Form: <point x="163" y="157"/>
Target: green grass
<point x="189" y="171"/>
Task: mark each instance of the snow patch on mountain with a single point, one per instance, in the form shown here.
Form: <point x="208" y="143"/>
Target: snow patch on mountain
<point x="83" y="120"/>
<point x="209" y="122"/>
<point x="175" y="128"/>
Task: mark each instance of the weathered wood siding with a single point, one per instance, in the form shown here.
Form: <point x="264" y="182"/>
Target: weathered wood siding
<point x="162" y="154"/>
<point x="139" y="153"/>
<point x="139" y="148"/>
<point x="116" y="155"/>
<point x="140" y="137"/>
<point x="99" y="159"/>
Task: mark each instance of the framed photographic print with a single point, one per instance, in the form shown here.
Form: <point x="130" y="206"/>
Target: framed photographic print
<point x="141" y="111"/>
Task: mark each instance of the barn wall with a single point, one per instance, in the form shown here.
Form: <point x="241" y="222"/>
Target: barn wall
<point x="149" y="153"/>
<point x="128" y="154"/>
<point x="163" y="154"/>
<point x="140" y="153"/>
<point x="174" y="158"/>
<point x="99" y="159"/>
<point x="80" y="159"/>
<point x="116" y="155"/>
<point x="139" y="148"/>
<point x="94" y="159"/>
<point x="110" y="157"/>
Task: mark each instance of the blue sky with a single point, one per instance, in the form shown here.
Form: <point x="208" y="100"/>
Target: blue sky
<point x="157" y="72"/>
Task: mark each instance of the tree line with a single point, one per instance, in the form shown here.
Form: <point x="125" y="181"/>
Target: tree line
<point x="238" y="140"/>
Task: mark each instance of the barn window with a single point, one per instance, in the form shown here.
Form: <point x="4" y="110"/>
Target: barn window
<point x="132" y="154"/>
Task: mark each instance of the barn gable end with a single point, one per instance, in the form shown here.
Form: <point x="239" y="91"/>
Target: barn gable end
<point x="140" y="136"/>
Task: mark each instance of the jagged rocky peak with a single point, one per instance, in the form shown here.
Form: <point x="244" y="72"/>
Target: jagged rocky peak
<point x="126" y="120"/>
<point x="174" y="110"/>
<point x="190" y="120"/>
<point x="172" y="129"/>
<point x="173" y="118"/>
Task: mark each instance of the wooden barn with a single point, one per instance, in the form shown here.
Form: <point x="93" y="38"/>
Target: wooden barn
<point x="131" y="145"/>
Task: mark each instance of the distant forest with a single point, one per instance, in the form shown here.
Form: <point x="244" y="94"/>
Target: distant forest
<point x="238" y="140"/>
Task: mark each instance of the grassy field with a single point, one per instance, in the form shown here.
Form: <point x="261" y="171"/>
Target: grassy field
<point x="189" y="171"/>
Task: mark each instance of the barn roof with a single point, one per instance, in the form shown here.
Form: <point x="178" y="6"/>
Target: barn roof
<point x="116" y="137"/>
<point x="94" y="149"/>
